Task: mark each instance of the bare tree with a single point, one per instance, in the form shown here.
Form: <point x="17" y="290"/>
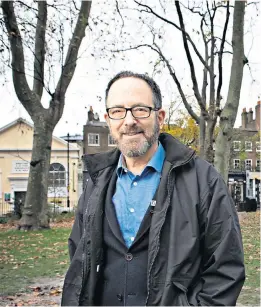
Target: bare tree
<point x="45" y="119"/>
<point x="229" y="112"/>
<point x="204" y="47"/>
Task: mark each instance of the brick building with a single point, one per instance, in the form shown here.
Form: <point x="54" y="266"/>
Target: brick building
<point x="96" y="137"/>
<point x="244" y="174"/>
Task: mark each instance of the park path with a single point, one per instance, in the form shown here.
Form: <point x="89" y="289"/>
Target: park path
<point x="42" y="292"/>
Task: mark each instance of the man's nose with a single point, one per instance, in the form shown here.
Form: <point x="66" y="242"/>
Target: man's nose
<point x="129" y="119"/>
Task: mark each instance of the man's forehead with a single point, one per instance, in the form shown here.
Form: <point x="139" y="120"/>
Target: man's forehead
<point x="129" y="84"/>
<point x="129" y="89"/>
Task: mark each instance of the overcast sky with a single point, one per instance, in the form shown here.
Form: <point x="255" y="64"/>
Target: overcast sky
<point x="88" y="83"/>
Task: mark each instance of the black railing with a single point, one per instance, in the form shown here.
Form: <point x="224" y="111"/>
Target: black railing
<point x="8" y="209"/>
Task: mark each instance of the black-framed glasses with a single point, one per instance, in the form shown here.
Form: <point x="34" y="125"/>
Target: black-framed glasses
<point x="137" y="112"/>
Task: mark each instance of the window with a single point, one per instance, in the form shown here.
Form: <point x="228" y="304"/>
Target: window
<point x="236" y="163"/>
<point x="248" y="164"/>
<point x="93" y="139"/>
<point x="248" y="146"/>
<point x="258" y="146"/>
<point x="236" y="145"/>
<point x="111" y="141"/>
<point x="258" y="165"/>
<point x="57" y="175"/>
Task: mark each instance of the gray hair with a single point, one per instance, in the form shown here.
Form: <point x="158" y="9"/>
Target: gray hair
<point x="157" y="99"/>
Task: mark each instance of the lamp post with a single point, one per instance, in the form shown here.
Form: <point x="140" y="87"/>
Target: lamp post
<point x="68" y="170"/>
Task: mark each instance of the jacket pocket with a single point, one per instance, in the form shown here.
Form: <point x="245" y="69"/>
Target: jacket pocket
<point x="182" y="296"/>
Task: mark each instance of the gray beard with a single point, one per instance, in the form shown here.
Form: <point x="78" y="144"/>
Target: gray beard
<point x="135" y="151"/>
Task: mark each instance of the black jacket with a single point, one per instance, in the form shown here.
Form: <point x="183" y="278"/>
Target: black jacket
<point x="195" y="251"/>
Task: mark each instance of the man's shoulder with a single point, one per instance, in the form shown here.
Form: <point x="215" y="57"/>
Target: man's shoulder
<point x="205" y="171"/>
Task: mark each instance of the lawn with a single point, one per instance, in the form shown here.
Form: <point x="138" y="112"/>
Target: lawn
<point x="28" y="255"/>
<point x="250" y="227"/>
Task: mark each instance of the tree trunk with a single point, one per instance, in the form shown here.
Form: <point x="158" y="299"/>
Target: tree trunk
<point x="202" y="135"/>
<point x="228" y="115"/>
<point x="209" y="152"/>
<point x="35" y="213"/>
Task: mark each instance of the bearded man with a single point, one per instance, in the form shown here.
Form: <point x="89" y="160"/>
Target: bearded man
<point x="155" y="224"/>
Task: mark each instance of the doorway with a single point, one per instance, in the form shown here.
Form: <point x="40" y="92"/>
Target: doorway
<point x="19" y="201"/>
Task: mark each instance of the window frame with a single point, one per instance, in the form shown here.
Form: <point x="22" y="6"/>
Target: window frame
<point x="236" y="142"/>
<point x="238" y="164"/>
<point x="52" y="179"/>
<point x="109" y="143"/>
<point x="93" y="134"/>
<point x="248" y="150"/>
<point x="246" y="164"/>
<point x="258" y="144"/>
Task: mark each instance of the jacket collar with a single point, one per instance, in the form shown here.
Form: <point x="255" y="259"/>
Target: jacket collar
<point x="176" y="153"/>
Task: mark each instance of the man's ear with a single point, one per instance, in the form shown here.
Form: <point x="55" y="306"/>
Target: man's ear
<point x="161" y="117"/>
<point x="106" y="117"/>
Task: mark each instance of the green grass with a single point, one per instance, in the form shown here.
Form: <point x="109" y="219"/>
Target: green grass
<point x="250" y="227"/>
<point x="25" y="255"/>
<point x="28" y="255"/>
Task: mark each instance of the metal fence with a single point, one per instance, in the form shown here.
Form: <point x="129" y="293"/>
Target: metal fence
<point x="7" y="209"/>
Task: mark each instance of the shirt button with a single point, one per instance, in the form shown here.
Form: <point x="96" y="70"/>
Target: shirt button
<point x="132" y="239"/>
<point x="132" y="210"/>
<point x="125" y="170"/>
<point x="128" y="257"/>
<point x="135" y="183"/>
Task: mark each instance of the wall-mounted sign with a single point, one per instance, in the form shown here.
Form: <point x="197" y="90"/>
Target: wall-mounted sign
<point x="7" y="196"/>
<point x="20" y="167"/>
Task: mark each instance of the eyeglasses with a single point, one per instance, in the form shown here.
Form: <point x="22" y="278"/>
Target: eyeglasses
<point x="137" y="112"/>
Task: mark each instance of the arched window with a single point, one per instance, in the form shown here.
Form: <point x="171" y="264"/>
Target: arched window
<point x="57" y="175"/>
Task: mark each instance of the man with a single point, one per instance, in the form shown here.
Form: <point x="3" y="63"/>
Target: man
<point x="155" y="224"/>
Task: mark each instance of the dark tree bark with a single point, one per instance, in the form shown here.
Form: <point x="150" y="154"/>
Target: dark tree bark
<point x="35" y="209"/>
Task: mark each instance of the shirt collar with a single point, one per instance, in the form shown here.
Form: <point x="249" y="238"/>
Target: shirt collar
<point x="156" y="161"/>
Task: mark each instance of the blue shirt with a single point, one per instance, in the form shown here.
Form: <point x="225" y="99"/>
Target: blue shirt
<point x="134" y="193"/>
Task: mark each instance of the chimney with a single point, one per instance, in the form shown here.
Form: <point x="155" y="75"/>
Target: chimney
<point x="244" y="118"/>
<point x="258" y="124"/>
<point x="250" y="116"/>
<point x="90" y="115"/>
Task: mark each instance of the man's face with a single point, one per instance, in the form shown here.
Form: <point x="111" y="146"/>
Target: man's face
<point x="134" y="137"/>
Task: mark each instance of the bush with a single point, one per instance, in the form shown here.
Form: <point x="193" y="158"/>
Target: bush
<point x="3" y="220"/>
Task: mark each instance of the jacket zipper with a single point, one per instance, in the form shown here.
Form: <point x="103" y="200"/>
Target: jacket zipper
<point x="83" y="250"/>
<point x="153" y="260"/>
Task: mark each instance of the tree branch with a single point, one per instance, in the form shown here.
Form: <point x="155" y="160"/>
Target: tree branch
<point x="71" y="57"/>
<point x="191" y="64"/>
<point x="177" y="27"/>
<point x="118" y="10"/>
<point x="220" y="58"/>
<point x="182" y="94"/>
<point x="205" y="72"/>
<point x="27" y="97"/>
<point x="172" y="73"/>
<point x="39" y="53"/>
<point x="212" y="62"/>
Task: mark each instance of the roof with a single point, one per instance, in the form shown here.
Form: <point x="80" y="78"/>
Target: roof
<point x="97" y="124"/>
<point x="76" y="137"/>
<point x="22" y="120"/>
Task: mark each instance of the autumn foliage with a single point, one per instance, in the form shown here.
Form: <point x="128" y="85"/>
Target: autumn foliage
<point x="185" y="130"/>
